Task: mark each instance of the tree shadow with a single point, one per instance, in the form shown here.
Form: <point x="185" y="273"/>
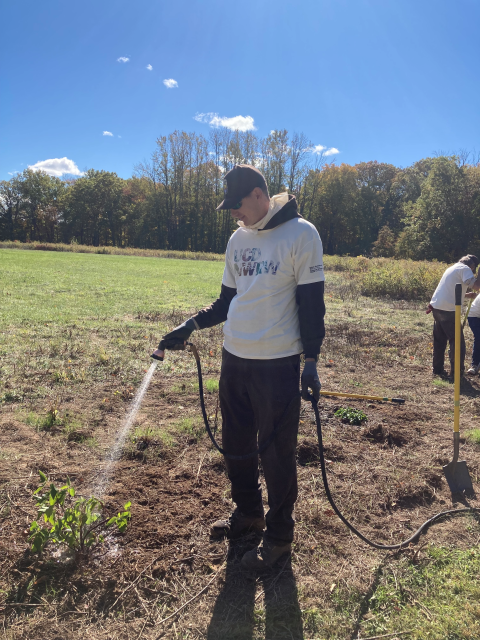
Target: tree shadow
<point x="238" y="612"/>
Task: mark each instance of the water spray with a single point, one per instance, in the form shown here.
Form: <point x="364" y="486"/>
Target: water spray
<point x="115" y="451"/>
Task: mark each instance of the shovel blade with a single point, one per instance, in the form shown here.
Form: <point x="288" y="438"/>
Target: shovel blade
<point x="457" y="476"/>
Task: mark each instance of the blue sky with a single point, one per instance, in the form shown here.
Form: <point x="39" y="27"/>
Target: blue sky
<point x="386" y="80"/>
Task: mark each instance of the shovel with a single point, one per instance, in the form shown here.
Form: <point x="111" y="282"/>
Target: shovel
<point x="456" y="471"/>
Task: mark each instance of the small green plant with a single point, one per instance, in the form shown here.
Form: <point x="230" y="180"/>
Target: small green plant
<point x="42" y="423"/>
<point x="11" y="396"/>
<point x="438" y="382"/>
<point x="350" y="415"/>
<point x="190" y="427"/>
<point x="211" y="385"/>
<point x="474" y="436"/>
<point x="103" y="356"/>
<point x="76" y="523"/>
<point x="152" y="435"/>
<point x="47" y="421"/>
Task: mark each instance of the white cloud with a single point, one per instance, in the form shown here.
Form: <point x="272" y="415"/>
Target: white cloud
<point x="12" y="173"/>
<point x="57" y="167"/>
<point x="240" y="123"/>
<point x="123" y="59"/>
<point x="119" y="136"/>
<point x="171" y="83"/>
<point x="107" y="133"/>
<point x="320" y="149"/>
<point x="149" y="67"/>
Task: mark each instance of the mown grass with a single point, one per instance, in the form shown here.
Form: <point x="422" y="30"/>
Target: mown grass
<point x="435" y="598"/>
<point x="71" y="320"/>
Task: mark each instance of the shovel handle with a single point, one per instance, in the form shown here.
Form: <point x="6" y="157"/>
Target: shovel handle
<point x="456" y="370"/>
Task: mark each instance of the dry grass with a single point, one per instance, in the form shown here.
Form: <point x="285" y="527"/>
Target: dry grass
<point x="111" y="251"/>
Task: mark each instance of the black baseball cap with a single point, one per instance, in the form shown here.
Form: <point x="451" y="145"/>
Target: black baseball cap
<point x="238" y="183"/>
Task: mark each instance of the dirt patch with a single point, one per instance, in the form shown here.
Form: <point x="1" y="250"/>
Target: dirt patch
<point x="307" y="452"/>
<point x="384" y="435"/>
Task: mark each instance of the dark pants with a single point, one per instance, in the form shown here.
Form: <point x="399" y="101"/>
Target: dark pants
<point x="257" y="396"/>
<point x="443" y="332"/>
<point x="474" y="324"/>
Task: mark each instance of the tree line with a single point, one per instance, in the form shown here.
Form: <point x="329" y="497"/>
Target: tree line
<point x="429" y="210"/>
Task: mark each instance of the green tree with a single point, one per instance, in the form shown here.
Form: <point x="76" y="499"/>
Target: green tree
<point x="331" y="205"/>
<point x="444" y="219"/>
<point x="94" y="209"/>
<point x="375" y="201"/>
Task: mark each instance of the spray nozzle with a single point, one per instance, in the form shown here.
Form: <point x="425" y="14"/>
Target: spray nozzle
<point x="173" y="344"/>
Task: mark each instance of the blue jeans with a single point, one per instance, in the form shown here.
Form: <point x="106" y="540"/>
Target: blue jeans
<point x="474" y="324"/>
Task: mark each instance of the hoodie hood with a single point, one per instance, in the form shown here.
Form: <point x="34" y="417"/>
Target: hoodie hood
<point x="283" y="207"/>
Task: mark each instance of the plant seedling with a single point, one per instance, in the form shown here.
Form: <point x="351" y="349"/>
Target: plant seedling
<point x="76" y="523"/>
<point x="350" y="415"/>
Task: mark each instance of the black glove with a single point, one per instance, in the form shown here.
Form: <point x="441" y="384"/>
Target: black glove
<point x="310" y="379"/>
<point x="180" y="333"/>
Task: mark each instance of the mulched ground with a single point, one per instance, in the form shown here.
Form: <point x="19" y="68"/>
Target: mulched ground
<point x="385" y="475"/>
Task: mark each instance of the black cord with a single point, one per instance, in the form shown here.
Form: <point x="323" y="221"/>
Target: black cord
<point x="376" y="545"/>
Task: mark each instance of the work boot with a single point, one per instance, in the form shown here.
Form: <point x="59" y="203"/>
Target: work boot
<point x="237" y="525"/>
<point x="265" y="555"/>
<point x="441" y="374"/>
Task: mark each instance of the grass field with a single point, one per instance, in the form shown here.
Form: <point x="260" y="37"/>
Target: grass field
<point x="76" y="331"/>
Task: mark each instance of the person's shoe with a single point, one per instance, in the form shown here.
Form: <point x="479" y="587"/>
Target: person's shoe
<point x="474" y="369"/>
<point x="237" y="525"/>
<point x="265" y="556"/>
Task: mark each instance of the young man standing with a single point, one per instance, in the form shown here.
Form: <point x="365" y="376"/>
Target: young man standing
<point x="442" y="305"/>
<point x="272" y="301"/>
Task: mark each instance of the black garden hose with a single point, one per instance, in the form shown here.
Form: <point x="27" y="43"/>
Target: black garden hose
<point x="376" y="545"/>
<point x="388" y="547"/>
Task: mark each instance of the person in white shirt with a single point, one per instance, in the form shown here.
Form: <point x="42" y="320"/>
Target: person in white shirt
<point x="272" y="303"/>
<point x="474" y="324"/>
<point x="442" y="305"/>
